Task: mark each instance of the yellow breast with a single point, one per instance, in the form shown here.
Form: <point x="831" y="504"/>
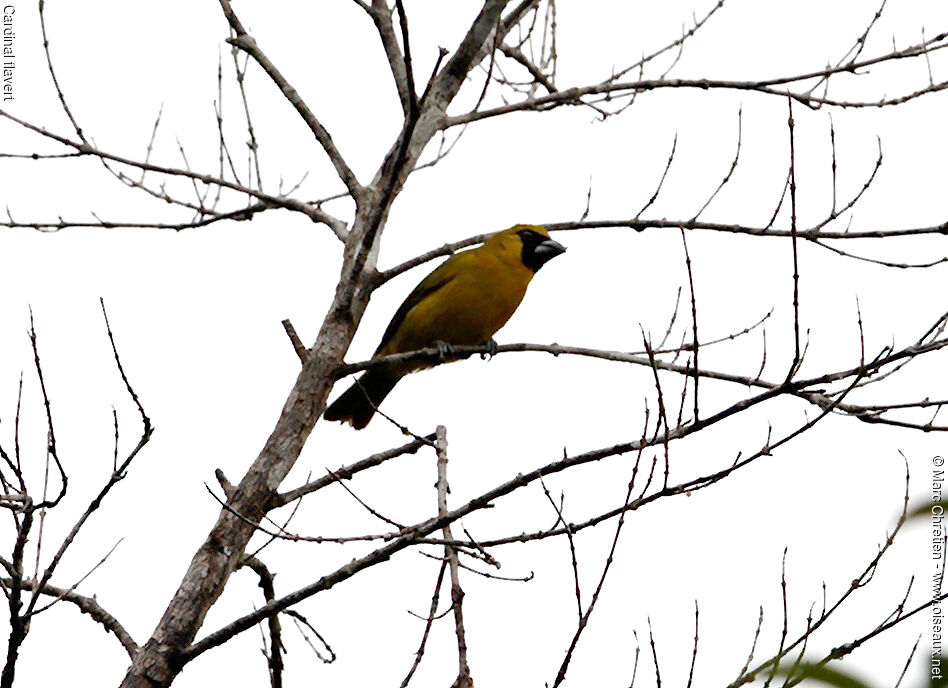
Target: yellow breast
<point x="483" y="292"/>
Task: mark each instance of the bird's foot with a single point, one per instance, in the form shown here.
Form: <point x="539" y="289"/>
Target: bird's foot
<point x="491" y="349"/>
<point x="444" y="350"/>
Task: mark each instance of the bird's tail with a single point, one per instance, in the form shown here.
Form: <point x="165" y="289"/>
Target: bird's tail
<point x="357" y="404"/>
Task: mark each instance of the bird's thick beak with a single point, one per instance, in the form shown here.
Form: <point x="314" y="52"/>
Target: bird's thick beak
<point x="548" y="249"/>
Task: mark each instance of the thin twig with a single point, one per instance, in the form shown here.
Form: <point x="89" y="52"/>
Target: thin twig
<point x="463" y="679"/>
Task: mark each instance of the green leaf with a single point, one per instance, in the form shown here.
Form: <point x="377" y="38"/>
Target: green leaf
<point x="822" y="674"/>
<point x="919" y="510"/>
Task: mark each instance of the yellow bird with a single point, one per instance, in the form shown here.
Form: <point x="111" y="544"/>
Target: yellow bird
<point x="464" y="301"/>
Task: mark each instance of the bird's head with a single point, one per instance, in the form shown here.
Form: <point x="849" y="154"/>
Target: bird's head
<point x="531" y="243"/>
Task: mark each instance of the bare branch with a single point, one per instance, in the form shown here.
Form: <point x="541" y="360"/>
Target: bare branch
<point x="779" y="86"/>
<point x="416" y="534"/>
<point x="381" y="15"/>
<point x="793" y="241"/>
<point x="857" y="583"/>
<point x="346" y="472"/>
<point x="730" y="171"/>
<point x="585" y="616"/>
<point x="245" y="42"/>
<point x="658" y="189"/>
<point x="52" y="74"/>
<point x="114" y="478"/>
<point x="694" y="319"/>
<point x="252" y="145"/>
<point x="51" y="433"/>
<point x="314" y="213"/>
<point x="275" y="654"/>
<point x="463" y="679"/>
<point x="301" y="351"/>
<point x="87" y="605"/>
<point x="432" y="613"/>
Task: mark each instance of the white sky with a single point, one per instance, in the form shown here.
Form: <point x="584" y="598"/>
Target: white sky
<point x="197" y="319"/>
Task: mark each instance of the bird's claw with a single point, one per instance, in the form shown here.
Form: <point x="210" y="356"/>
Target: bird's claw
<point x="491" y="349"/>
<point x="444" y="350"/>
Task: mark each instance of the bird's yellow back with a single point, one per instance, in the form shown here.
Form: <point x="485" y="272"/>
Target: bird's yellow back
<point x="473" y="294"/>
